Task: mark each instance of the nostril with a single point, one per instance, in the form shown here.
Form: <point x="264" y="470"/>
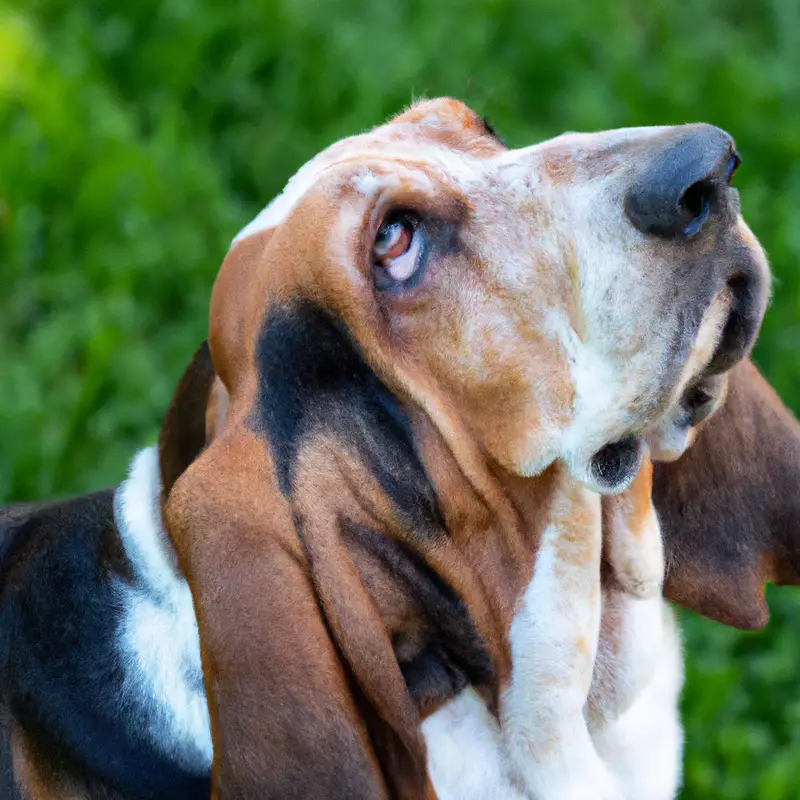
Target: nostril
<point x="696" y="203"/>
<point x="731" y="167"/>
<point x="738" y="284"/>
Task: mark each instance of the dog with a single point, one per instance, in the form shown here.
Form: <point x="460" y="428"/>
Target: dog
<point x="436" y="354"/>
<point x="398" y="607"/>
<point x="730" y="487"/>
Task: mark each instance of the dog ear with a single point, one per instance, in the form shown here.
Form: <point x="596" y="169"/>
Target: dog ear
<point x="298" y="530"/>
<point x="730" y="506"/>
<point x="183" y="432"/>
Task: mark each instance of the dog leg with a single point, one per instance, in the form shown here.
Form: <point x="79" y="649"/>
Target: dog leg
<point x="554" y="638"/>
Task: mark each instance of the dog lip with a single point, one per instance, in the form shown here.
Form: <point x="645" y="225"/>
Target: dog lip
<point x="614" y="464"/>
<point x="748" y="284"/>
<point x="700" y="400"/>
<point x="725" y="358"/>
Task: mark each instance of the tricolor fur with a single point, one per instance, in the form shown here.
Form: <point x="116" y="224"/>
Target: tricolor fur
<point x="632" y="709"/>
<point x="564" y="308"/>
<point x="100" y="669"/>
<point x="394" y="536"/>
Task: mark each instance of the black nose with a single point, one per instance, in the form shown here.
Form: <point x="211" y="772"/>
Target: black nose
<point x="684" y="183"/>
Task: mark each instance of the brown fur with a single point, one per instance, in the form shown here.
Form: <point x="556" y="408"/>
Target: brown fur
<point x="264" y="638"/>
<point x="302" y="632"/>
<point x="183" y="432"/>
<point x="35" y="781"/>
<point x="693" y="507"/>
<point x="730" y="507"/>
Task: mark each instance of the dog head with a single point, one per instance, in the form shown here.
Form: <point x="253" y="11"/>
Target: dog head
<point x="549" y="302"/>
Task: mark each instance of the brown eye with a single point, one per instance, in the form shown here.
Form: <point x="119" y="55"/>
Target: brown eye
<point x="393" y="240"/>
<point x="397" y="251"/>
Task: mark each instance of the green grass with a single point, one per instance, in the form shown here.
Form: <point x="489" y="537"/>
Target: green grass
<point x="136" y="138"/>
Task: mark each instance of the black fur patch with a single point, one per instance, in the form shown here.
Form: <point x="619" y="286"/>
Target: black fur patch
<point x="60" y="670"/>
<point x="8" y="789"/>
<point x="313" y="379"/>
<point x="454" y="653"/>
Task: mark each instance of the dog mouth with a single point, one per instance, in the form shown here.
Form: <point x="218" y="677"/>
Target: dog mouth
<point x="666" y="427"/>
<point x="702" y="398"/>
<point x="747" y="284"/>
<point x="616" y="464"/>
<point x="703" y="393"/>
<point x="740" y="329"/>
<point x="729" y="325"/>
<point x="674" y="433"/>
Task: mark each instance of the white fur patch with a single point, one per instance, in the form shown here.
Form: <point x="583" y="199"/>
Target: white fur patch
<point x="596" y="382"/>
<point x="158" y="636"/>
<point x="281" y="206"/>
<point x="368" y="183"/>
<point x="554" y="638"/>
<point x="644" y="745"/>
<point x="462" y="171"/>
<point x="466" y="759"/>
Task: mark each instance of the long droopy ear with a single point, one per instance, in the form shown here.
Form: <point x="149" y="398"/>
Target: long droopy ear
<point x="184" y="431"/>
<point x="312" y="472"/>
<point x="730" y="506"/>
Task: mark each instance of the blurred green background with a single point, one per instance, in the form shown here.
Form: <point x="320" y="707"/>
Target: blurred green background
<point x="137" y="137"/>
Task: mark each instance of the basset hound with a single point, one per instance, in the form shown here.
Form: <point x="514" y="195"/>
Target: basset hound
<point x="435" y="356"/>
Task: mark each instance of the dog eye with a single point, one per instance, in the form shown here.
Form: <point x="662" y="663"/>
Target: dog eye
<point x="397" y="251"/>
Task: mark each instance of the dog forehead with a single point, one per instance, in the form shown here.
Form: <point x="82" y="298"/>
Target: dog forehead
<point x="443" y="135"/>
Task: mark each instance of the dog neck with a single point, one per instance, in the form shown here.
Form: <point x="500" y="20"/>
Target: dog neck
<point x="495" y="521"/>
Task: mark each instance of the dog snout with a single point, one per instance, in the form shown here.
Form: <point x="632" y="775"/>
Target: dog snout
<point x="684" y="184"/>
